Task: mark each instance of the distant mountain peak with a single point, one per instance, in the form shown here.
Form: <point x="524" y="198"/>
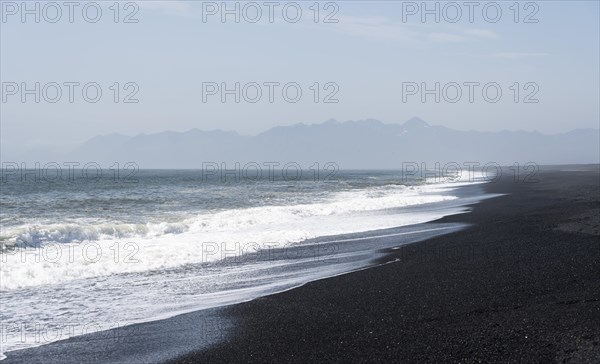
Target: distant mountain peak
<point x="331" y="121"/>
<point x="416" y="123"/>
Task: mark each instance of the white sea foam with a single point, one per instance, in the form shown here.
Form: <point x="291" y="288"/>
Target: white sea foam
<point x="58" y="253"/>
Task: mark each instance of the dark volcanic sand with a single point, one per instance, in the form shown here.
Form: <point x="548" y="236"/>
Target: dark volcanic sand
<point x="521" y="285"/>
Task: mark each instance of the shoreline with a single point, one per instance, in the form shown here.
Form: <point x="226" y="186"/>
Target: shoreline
<point x="521" y="284"/>
<point x="267" y="328"/>
<point x="334" y="255"/>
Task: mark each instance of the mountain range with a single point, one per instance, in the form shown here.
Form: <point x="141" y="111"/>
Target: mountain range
<point x="364" y="144"/>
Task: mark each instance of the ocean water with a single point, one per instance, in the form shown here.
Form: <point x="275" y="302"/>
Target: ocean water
<point x="85" y="254"/>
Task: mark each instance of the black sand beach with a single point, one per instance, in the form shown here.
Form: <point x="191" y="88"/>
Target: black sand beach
<point x="522" y="284"/>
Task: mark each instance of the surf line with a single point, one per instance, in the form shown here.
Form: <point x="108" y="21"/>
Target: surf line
<point x="389" y="235"/>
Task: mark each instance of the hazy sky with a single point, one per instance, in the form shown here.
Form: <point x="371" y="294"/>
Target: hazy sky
<point x="369" y="53"/>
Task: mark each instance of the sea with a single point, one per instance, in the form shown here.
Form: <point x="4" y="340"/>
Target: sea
<point x="85" y="253"/>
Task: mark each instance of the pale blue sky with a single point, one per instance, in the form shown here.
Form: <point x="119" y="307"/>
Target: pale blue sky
<point x="368" y="53"/>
